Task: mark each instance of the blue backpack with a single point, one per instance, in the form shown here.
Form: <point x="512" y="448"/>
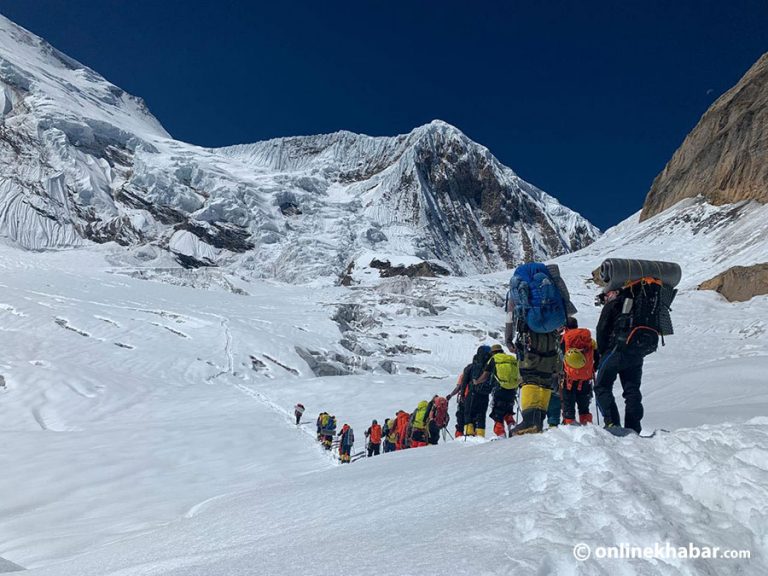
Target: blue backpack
<point x="536" y="298"/>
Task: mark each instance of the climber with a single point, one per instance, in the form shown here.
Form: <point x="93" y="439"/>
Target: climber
<point x="476" y="404"/>
<point x="418" y="425"/>
<point x="346" y="442"/>
<point x="389" y="433"/>
<point x="536" y="306"/>
<point x="579" y="360"/>
<point x="437" y="418"/>
<point x="298" y="410"/>
<point x="401" y="430"/>
<point x="373" y="434"/>
<point x="502" y="376"/>
<point x="461" y="391"/>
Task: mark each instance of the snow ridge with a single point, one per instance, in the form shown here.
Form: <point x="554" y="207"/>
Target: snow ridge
<point x="82" y="161"/>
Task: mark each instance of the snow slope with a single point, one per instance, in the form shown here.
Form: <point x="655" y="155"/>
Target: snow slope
<point x="148" y="427"/>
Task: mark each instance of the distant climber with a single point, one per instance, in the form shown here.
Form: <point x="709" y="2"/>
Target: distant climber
<point x="328" y="430"/>
<point x="502" y="376"/>
<point x="418" y="425"/>
<point x="461" y="391"/>
<point x="322" y="419"/>
<point x="346" y="442"/>
<point x="580" y="357"/>
<point x="437" y="418"/>
<point x="373" y="436"/>
<point x="401" y="430"/>
<point x="389" y="434"/>
<point x="476" y="405"/>
<point x="298" y="410"/>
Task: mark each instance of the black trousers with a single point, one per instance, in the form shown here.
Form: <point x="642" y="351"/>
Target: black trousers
<point x="629" y="369"/>
<point x="503" y="404"/>
<point x="579" y="394"/>
<point x="460" y="420"/>
<point x="476" y="410"/>
<point x="433" y="436"/>
<point x="373" y="449"/>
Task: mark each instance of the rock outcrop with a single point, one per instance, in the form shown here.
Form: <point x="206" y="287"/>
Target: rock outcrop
<point x="725" y="158"/>
<point x="740" y="283"/>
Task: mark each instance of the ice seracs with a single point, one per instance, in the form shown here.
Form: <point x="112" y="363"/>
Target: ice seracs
<point x="83" y="161"/>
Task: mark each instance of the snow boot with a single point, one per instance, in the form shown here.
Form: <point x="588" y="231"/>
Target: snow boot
<point x="469" y="430"/>
<point x="585" y="418"/>
<point x="498" y="429"/>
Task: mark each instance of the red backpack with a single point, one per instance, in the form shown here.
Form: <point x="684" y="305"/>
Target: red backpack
<point x="440" y="412"/>
<point x="579" y="341"/>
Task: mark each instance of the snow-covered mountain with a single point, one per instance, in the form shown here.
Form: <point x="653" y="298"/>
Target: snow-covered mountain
<point x="81" y="160"/>
<point x="147" y="427"/>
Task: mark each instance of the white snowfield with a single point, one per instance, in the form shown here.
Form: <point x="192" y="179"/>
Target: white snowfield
<point x="148" y="427"/>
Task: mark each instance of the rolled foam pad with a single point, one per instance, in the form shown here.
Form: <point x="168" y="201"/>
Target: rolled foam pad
<point x="616" y="272"/>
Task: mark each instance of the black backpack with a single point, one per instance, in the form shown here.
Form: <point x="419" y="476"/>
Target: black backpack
<point x="645" y="316"/>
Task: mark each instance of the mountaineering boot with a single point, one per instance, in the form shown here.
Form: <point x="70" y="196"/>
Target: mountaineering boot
<point x="469" y="430"/>
<point x="585" y="418"/>
<point x="569" y="422"/>
<point x="480" y="432"/>
<point x="458" y="434"/>
<point x="498" y="429"/>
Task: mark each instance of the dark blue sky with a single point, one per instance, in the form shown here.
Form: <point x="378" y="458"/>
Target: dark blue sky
<point x="586" y="100"/>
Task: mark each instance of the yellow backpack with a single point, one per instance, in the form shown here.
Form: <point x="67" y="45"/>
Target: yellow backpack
<point x="507" y="373"/>
<point x="420" y="416"/>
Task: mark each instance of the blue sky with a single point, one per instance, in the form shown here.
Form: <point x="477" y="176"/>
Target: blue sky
<point x="587" y="100"/>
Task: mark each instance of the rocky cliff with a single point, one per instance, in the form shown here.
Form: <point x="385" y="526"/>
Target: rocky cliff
<point x="725" y="158"/>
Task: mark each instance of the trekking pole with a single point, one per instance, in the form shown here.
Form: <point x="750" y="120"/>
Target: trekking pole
<point x="597" y="408"/>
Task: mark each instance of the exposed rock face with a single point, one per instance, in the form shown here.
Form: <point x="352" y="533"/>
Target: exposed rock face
<point x="740" y="283"/>
<point x="725" y="157"/>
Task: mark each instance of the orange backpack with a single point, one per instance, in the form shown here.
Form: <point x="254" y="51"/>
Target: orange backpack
<point x="580" y="339"/>
<point x="375" y="434"/>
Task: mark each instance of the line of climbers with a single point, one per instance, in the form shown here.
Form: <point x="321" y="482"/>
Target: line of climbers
<point x="555" y="366"/>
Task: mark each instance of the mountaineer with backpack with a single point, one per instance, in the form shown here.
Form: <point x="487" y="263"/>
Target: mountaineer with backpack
<point x="537" y="303"/>
<point x="437" y="418"/>
<point x="476" y="404"/>
<point x="461" y="391"/>
<point x="321" y="420"/>
<point x="390" y="435"/>
<point x="636" y="315"/>
<point x="328" y="430"/>
<point x="373" y="434"/>
<point x="346" y="442"/>
<point x="417" y="425"/>
<point x="298" y="410"/>
<point x="580" y="358"/>
<point x="401" y="430"/>
<point x="502" y="376"/>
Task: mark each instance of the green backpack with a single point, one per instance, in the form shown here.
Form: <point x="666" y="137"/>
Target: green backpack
<point x="507" y="374"/>
<point x="420" y="416"/>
